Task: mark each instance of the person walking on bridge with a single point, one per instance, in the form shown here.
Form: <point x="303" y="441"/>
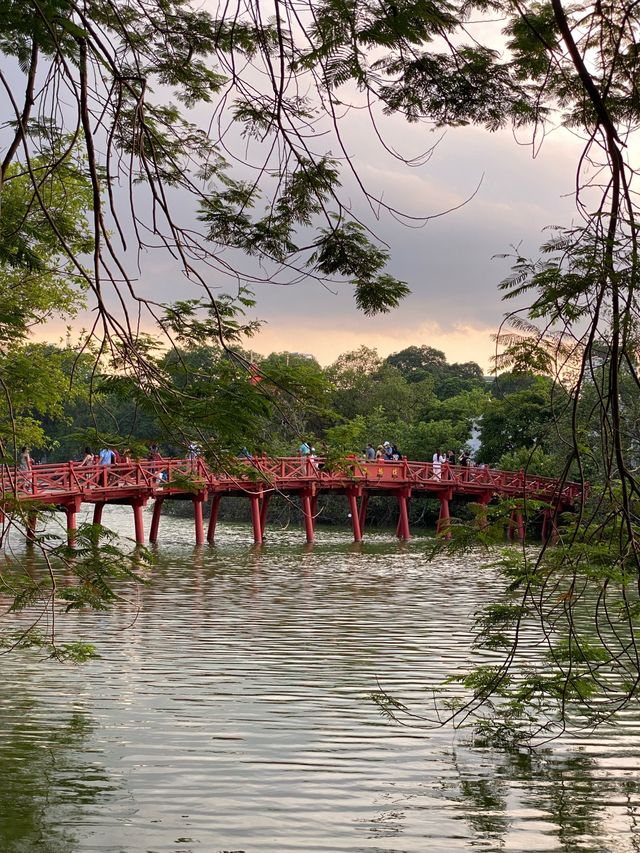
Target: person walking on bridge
<point x="438" y="459"/>
<point x="107" y="456"/>
<point x="87" y="458"/>
<point x="25" y="459"/>
<point x="25" y="463"/>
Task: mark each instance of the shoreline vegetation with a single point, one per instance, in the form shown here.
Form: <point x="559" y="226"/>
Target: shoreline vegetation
<point x="413" y="399"/>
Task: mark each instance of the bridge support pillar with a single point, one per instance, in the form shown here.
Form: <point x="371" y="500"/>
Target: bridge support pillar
<point x="550" y="525"/>
<point x="138" y="523"/>
<point x="255" y="518"/>
<point x="213" y="517"/>
<point x="483" y="500"/>
<point x="198" y="501"/>
<point x="444" y="521"/>
<point x="362" y="514"/>
<point x="355" y="517"/>
<point x="307" y="509"/>
<point x="264" y="511"/>
<point x="97" y="513"/>
<point x="71" y="511"/>
<point x="32" y="521"/>
<point x="155" y="520"/>
<point x="403" y="531"/>
<point x="516" y="526"/>
<point x="555" y="533"/>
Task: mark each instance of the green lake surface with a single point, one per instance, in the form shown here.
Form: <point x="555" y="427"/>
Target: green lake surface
<point x="231" y="710"/>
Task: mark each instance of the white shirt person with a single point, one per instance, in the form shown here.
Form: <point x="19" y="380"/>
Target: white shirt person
<point x="438" y="459"/>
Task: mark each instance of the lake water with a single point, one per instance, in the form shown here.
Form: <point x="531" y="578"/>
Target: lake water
<point x="231" y="710"/>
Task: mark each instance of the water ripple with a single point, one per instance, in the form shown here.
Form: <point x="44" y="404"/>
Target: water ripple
<point x="231" y="711"/>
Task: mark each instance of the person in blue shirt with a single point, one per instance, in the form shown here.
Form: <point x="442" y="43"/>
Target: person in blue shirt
<point x="107" y="456"/>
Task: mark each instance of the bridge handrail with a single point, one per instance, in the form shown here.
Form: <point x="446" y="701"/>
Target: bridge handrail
<point x="70" y="478"/>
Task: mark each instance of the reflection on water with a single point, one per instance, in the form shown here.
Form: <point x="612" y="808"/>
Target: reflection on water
<point x="231" y="711"/>
<point x="48" y="778"/>
<point x="550" y="801"/>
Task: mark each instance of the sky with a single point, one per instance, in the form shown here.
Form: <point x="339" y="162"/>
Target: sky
<point x="450" y="263"/>
<point x="500" y="195"/>
<point x="505" y="198"/>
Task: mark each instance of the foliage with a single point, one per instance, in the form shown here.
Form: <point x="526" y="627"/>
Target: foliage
<point x="87" y="575"/>
<point x="518" y="420"/>
<point x="532" y="460"/>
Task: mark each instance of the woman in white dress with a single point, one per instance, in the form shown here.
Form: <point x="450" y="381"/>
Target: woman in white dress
<point x="438" y="459"/>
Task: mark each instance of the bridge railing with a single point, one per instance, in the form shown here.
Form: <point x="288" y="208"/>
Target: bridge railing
<point x="73" y="478"/>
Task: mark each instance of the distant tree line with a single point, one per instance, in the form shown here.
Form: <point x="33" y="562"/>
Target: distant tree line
<point x="64" y="400"/>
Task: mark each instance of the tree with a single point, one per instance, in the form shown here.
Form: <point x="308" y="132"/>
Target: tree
<point x="522" y="419"/>
<point x="419" y="363"/>
<point x="416" y="363"/>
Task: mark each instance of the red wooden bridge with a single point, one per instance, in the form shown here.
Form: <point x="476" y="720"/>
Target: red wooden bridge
<point x="67" y="486"/>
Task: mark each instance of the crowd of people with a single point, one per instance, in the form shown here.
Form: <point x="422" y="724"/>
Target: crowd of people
<point x="385" y="452"/>
<point x="388" y="452"/>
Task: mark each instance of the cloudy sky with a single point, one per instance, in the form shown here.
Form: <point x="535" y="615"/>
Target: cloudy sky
<point x="450" y="262"/>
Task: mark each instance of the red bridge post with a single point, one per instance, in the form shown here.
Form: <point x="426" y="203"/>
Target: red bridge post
<point x="516" y="524"/>
<point x="307" y="510"/>
<point x="32" y="522"/>
<point x="483" y="500"/>
<point x="213" y="517"/>
<point x="550" y="524"/>
<point x="198" y="501"/>
<point x="264" y="510"/>
<point x="362" y="518"/>
<point x="355" y="515"/>
<point x="443" y="527"/>
<point x="97" y="512"/>
<point x="71" y="511"/>
<point x="155" y="520"/>
<point x="138" y="523"/>
<point x="403" y="530"/>
<point x="255" y="518"/>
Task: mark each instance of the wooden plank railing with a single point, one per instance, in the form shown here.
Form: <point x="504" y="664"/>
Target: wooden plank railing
<point x="64" y="480"/>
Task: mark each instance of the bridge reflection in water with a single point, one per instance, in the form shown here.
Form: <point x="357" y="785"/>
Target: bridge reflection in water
<point x="67" y="486"/>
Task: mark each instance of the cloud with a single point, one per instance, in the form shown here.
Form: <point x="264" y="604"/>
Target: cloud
<point x="450" y="263"/>
<point x="312" y="336"/>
